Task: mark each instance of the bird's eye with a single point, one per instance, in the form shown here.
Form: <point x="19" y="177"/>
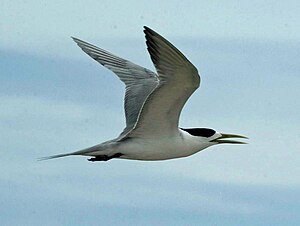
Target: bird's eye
<point x="200" y="132"/>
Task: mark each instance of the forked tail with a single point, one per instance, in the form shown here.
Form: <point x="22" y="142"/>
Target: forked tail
<point x="85" y="151"/>
<point x="55" y="156"/>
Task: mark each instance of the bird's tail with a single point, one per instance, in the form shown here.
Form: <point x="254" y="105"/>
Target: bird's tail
<point x="85" y="151"/>
<point x="54" y="156"/>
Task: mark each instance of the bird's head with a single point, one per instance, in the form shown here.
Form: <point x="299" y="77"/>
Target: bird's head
<point x="214" y="137"/>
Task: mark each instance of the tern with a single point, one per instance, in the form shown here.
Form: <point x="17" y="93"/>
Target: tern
<point x="153" y="103"/>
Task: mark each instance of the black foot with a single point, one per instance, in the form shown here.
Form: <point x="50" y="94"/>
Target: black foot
<point x="104" y="157"/>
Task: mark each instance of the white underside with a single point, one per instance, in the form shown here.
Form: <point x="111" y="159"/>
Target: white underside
<point x="153" y="149"/>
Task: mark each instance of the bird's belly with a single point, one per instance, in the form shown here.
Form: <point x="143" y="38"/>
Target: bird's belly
<point x="140" y="149"/>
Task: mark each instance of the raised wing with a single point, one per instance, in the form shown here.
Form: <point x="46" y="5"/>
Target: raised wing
<point x="178" y="79"/>
<point x="139" y="81"/>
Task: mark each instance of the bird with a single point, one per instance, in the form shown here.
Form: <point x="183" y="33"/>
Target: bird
<point x="153" y="102"/>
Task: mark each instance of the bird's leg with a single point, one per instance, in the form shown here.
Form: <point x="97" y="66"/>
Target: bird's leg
<point x="104" y="157"/>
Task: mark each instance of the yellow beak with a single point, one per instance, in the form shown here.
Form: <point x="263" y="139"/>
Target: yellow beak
<point x="221" y="140"/>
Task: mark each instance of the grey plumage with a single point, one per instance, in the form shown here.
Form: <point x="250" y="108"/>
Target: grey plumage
<point x="153" y="103"/>
<point x="139" y="81"/>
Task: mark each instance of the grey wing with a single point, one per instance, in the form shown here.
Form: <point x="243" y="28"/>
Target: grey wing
<point x="178" y="77"/>
<point x="139" y="81"/>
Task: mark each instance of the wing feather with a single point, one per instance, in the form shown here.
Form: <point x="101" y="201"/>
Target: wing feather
<point x="139" y="81"/>
<point x="178" y="79"/>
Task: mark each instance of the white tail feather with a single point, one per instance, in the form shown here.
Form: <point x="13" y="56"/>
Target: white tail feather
<point x="85" y="151"/>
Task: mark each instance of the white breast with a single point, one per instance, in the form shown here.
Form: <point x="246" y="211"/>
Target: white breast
<point x="164" y="148"/>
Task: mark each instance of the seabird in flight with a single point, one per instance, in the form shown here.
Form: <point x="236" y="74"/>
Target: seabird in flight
<point x="153" y="103"/>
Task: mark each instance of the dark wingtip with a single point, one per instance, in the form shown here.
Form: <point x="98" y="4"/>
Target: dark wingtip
<point x="76" y="40"/>
<point x="148" y="31"/>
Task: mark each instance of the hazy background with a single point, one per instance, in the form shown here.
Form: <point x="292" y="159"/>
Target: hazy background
<point x="54" y="99"/>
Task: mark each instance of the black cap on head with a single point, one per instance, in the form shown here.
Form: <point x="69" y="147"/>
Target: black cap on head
<point x="200" y="132"/>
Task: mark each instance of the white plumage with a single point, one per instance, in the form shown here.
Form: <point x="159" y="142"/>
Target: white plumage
<point x="153" y="103"/>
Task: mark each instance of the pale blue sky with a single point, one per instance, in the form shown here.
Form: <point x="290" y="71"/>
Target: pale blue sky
<point x="56" y="99"/>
